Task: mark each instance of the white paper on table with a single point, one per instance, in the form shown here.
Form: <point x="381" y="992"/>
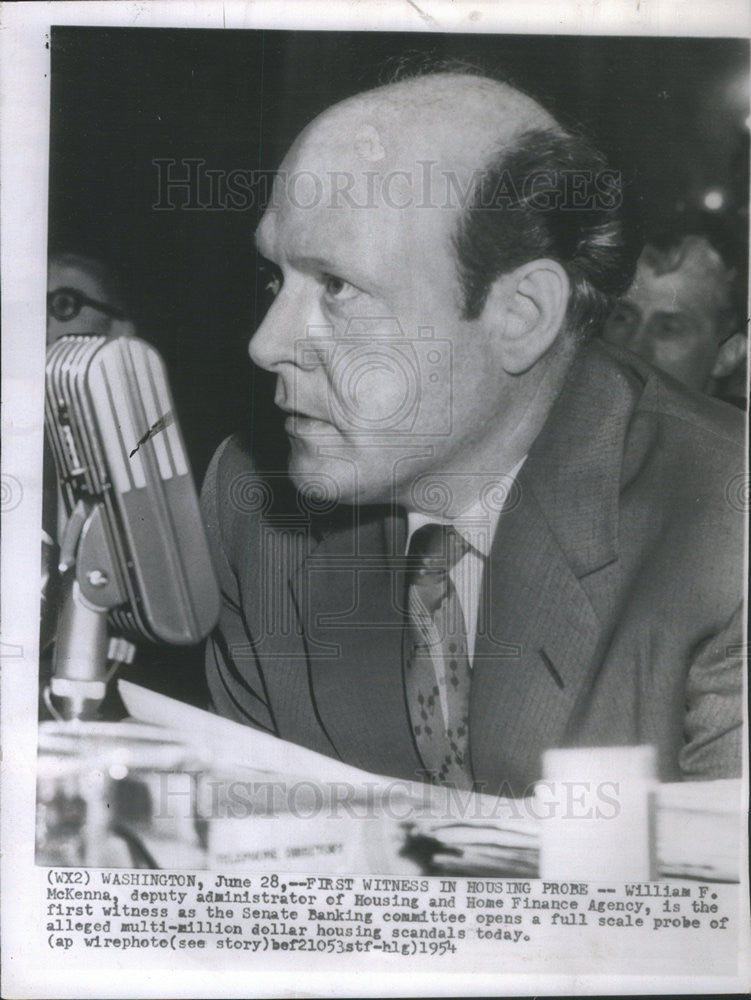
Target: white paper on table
<point x="228" y="742"/>
<point x="225" y="744"/>
<point x="698" y="832"/>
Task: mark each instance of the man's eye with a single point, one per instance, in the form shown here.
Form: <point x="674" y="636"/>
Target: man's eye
<point x="623" y="316"/>
<point x="338" y="288"/>
<point x="669" y="325"/>
<point x="621" y="323"/>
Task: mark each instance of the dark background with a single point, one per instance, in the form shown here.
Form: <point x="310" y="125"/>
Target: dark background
<point x="670" y="113"/>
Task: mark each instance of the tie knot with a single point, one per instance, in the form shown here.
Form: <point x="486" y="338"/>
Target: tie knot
<point x="437" y="548"/>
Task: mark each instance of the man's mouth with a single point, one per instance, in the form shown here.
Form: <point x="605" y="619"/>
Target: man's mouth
<point x="300" y="424"/>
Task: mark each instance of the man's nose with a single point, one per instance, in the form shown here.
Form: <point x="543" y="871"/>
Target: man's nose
<point x="642" y="341"/>
<point x="273" y="343"/>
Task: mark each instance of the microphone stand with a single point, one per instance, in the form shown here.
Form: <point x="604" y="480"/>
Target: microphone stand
<point x="85" y="658"/>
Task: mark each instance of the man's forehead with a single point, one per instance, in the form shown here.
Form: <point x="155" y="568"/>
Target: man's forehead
<point x="399" y="160"/>
<point x="318" y="231"/>
<point x="62" y="275"/>
<point x="323" y="201"/>
<point x="683" y="288"/>
<point x="363" y="241"/>
<point x="455" y="119"/>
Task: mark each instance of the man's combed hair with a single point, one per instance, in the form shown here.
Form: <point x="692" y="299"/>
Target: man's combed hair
<point x="551" y="195"/>
<point x="702" y="252"/>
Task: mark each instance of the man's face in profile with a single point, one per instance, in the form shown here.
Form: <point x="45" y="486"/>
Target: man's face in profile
<point x="381" y="377"/>
<point x="672" y="320"/>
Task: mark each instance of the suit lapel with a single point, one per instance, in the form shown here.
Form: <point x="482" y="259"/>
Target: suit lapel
<point x="277" y="545"/>
<point x="351" y="586"/>
<point x="538" y="633"/>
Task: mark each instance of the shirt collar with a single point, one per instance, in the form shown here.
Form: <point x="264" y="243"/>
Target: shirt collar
<point x="478" y="522"/>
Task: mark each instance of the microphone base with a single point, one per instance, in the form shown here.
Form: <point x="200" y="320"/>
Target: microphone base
<point x="79" y="676"/>
<point x="77" y="699"/>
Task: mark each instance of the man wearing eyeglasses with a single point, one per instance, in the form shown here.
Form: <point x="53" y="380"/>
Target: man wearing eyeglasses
<point x="82" y="297"/>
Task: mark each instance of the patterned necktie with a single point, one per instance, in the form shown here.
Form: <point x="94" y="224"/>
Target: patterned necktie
<point x="435" y="656"/>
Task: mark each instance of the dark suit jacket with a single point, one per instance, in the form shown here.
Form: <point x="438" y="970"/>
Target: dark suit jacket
<point x="611" y="606"/>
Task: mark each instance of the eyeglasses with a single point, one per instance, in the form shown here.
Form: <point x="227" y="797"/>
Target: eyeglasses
<point x="67" y="303"/>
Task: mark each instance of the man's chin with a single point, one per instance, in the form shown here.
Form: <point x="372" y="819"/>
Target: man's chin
<point x="319" y="487"/>
<point x="325" y="483"/>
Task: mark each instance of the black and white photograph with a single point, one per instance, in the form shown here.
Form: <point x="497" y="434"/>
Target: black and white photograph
<point x="376" y="498"/>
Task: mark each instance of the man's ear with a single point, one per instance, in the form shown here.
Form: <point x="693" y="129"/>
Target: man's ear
<point x="525" y="310"/>
<point x="730" y="355"/>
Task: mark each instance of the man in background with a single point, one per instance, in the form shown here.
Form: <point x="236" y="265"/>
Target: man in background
<point x="82" y="297"/>
<point x="680" y="315"/>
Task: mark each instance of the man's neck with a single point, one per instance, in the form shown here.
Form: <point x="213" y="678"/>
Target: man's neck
<point x="494" y="458"/>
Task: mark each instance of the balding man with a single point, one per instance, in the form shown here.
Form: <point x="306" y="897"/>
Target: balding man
<point x="494" y="534"/>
